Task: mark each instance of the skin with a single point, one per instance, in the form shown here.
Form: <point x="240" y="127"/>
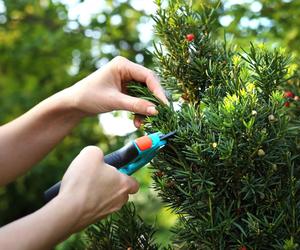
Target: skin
<point x="27" y="139"/>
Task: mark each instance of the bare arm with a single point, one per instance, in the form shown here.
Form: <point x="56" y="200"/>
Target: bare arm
<point x="26" y="140"/>
<point x="79" y="203"/>
<point x="82" y="199"/>
<point x="40" y="230"/>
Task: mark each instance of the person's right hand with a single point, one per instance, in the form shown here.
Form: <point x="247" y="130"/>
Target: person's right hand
<point x="93" y="188"/>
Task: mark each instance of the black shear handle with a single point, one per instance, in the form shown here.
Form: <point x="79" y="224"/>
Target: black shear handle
<point x="118" y="159"/>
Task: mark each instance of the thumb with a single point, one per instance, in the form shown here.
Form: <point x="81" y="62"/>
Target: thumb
<point x="133" y="185"/>
<point x="136" y="105"/>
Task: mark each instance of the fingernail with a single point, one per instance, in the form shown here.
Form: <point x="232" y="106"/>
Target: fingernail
<point x="152" y="111"/>
<point x="168" y="96"/>
<point x="162" y="95"/>
<point x="166" y="101"/>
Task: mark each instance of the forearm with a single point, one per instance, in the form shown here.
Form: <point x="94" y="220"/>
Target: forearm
<point x="41" y="230"/>
<point x="26" y="140"/>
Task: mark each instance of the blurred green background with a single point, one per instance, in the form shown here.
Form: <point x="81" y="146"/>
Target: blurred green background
<point x="46" y="46"/>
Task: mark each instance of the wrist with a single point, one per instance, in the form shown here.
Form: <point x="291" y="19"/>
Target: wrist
<point x="67" y="212"/>
<point x="73" y="207"/>
<point x="66" y="104"/>
<point x="44" y="228"/>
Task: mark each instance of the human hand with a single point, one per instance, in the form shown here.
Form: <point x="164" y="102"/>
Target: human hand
<point x="105" y="89"/>
<point x="93" y="188"/>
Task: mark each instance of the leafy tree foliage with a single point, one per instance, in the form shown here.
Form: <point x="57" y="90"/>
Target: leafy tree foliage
<point x="42" y="52"/>
<point x="123" y="230"/>
<point x="232" y="171"/>
<point x="273" y="22"/>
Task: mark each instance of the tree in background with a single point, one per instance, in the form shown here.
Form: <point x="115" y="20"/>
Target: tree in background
<point x="274" y="22"/>
<point x="42" y="52"/>
<point x="126" y="231"/>
<point x="232" y="172"/>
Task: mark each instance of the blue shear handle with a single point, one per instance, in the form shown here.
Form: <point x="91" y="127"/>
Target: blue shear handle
<point x="130" y="168"/>
<point x="122" y="156"/>
<point x="145" y="156"/>
<point x="118" y="159"/>
<point x="127" y="159"/>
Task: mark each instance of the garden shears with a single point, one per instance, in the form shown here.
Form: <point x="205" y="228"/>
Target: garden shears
<point x="129" y="158"/>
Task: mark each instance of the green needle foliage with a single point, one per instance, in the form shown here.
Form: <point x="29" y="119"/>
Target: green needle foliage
<point x="232" y="172"/>
<point x="123" y="230"/>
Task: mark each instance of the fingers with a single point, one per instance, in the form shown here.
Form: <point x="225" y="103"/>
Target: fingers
<point x="132" y="71"/>
<point x="92" y="151"/>
<point x="147" y="76"/>
<point x="131" y="185"/>
<point x="138" y="120"/>
<point x="136" y="105"/>
<point x="110" y="188"/>
<point x="91" y="155"/>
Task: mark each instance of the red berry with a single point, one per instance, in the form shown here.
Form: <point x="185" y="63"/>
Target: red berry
<point x="160" y="174"/>
<point x="289" y="94"/>
<point x="287" y="104"/>
<point x="243" y="248"/>
<point x="190" y="37"/>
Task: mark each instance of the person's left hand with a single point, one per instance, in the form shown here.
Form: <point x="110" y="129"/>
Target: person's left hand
<point x="104" y="90"/>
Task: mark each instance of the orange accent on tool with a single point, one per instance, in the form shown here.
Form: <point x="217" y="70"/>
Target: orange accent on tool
<point x="144" y="142"/>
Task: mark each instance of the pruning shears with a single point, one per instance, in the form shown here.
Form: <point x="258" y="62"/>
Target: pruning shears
<point x="129" y="158"/>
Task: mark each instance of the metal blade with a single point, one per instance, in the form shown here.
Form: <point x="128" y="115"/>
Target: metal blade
<point x="168" y="135"/>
